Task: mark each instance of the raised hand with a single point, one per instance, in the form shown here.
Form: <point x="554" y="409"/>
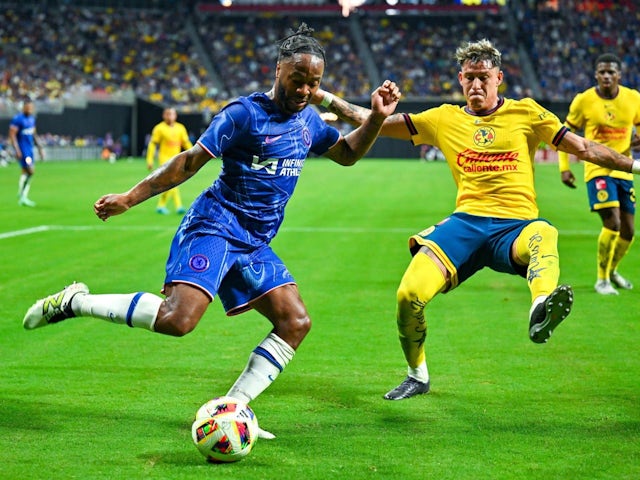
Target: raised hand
<point x="385" y="98"/>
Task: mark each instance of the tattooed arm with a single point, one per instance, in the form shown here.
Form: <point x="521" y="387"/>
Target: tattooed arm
<point x="350" y="148"/>
<point x="594" y="152"/>
<point x="394" y="125"/>
<point x="176" y="171"/>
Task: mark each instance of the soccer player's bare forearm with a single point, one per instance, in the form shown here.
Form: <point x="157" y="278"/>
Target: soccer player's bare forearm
<point x="608" y="158"/>
<point x="349" y="112"/>
<point x="360" y="140"/>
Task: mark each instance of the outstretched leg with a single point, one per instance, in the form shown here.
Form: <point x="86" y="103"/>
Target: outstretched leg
<point x="537" y="247"/>
<point x="423" y="279"/>
<point x="176" y="315"/>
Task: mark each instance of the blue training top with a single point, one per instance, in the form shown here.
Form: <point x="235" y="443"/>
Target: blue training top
<point x="26" y="126"/>
<point x="263" y="151"/>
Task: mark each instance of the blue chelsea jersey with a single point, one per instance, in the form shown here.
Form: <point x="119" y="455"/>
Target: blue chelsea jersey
<point x="263" y="151"/>
<point x="26" y="126"/>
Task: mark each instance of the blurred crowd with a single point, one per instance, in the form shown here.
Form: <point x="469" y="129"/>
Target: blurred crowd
<point x="197" y="61"/>
<point x="564" y="42"/>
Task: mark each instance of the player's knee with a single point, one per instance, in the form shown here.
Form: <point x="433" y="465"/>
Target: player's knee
<point x="175" y="324"/>
<point x="538" y="230"/>
<point x="293" y="328"/>
<point x="302" y="325"/>
<point x="407" y="295"/>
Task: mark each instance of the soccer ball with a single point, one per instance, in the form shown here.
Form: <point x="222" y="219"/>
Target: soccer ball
<point x="225" y="430"/>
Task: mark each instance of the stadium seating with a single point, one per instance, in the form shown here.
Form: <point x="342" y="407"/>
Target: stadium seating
<point x="196" y="58"/>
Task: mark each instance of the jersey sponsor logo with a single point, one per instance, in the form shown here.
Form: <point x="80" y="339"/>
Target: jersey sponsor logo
<point x="291" y="167"/>
<point x="484" y="136"/>
<point x="471" y="161"/>
<point x="199" y="263"/>
<point x="601" y="184"/>
<point x="269" y="140"/>
<point x="604" y="133"/>
<point x="269" y="165"/>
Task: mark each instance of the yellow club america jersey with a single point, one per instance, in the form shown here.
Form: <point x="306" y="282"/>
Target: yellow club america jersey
<point x="607" y="121"/>
<point x="490" y="155"/>
<point x="172" y="139"/>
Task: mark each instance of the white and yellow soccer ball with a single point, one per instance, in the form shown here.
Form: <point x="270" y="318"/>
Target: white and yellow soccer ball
<point x="225" y="430"/>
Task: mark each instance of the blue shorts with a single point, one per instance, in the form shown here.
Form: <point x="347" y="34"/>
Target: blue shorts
<point x="467" y="243"/>
<point x="205" y="255"/>
<point x="609" y="192"/>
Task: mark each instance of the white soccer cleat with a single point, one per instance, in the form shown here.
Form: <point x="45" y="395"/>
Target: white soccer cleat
<point x="25" y="202"/>
<point x="604" y="287"/>
<point x="620" y="282"/>
<point x="54" y="308"/>
<point x="265" y="435"/>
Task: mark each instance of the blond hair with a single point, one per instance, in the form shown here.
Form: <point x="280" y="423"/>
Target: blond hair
<point x="478" y="52"/>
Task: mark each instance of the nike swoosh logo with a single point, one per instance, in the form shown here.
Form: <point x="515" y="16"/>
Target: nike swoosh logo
<point x="270" y="140"/>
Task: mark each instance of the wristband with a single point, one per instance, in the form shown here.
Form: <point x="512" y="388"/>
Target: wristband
<point x="328" y="98"/>
<point x="635" y="167"/>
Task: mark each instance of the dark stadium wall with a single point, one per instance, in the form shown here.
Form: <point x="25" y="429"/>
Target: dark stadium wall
<point x="137" y="122"/>
<point x="148" y="115"/>
<point x="96" y="119"/>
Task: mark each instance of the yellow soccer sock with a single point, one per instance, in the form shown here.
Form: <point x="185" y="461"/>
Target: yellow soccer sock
<point x="537" y="244"/>
<point x="620" y="250"/>
<point x="606" y="247"/>
<point x="421" y="282"/>
<point x="177" y="199"/>
<point x="162" y="201"/>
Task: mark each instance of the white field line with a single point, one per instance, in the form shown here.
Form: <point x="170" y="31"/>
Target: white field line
<point x="347" y="230"/>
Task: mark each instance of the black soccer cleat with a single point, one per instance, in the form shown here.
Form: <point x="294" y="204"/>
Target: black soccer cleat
<point x="548" y="314"/>
<point x="410" y="387"/>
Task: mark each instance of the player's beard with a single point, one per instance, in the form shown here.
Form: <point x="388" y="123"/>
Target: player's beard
<point x="287" y="104"/>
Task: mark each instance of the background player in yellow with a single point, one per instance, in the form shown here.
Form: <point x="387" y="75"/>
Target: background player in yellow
<point x="171" y="138"/>
<point x="490" y="145"/>
<point x="607" y="113"/>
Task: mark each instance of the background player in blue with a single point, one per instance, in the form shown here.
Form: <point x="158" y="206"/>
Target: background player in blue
<point x="22" y="134"/>
<point x="222" y="245"/>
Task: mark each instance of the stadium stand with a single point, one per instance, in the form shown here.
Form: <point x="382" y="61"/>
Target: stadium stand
<point x="195" y="56"/>
<point x="62" y="50"/>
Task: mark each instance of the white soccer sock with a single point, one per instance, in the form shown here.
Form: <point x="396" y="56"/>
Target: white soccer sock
<point x="26" y="188"/>
<point x="420" y="373"/>
<point x="265" y="363"/>
<point x="133" y="309"/>
<point x="24" y="178"/>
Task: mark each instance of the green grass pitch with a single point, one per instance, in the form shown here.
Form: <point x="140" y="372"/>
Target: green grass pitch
<point x="89" y="400"/>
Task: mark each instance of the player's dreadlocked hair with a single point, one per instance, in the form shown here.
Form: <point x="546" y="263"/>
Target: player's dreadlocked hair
<point x="477" y="52"/>
<point x="300" y="41"/>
